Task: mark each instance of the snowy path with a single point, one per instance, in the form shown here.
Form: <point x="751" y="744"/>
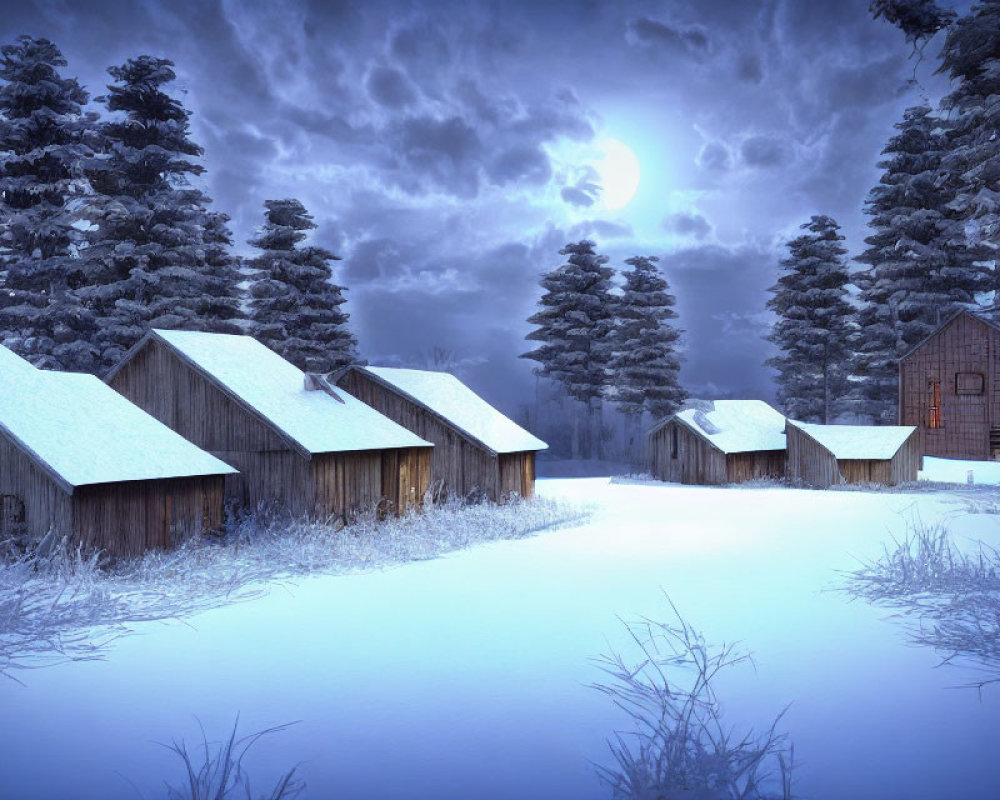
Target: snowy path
<point x="464" y="677"/>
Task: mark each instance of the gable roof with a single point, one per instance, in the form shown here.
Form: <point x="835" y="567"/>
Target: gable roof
<point x="83" y="432"/>
<point x="858" y="441"/>
<point x="313" y="420"/>
<point x="940" y="328"/>
<point x="12" y="364"/>
<point x="733" y="426"/>
<point x="449" y="398"/>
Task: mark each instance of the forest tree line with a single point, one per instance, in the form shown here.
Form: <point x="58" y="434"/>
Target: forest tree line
<point x="103" y="235"/>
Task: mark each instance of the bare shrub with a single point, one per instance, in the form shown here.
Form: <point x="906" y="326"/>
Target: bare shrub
<point x="680" y="746"/>
<point x="215" y="771"/>
<point x="57" y="602"/>
<point x="950" y="599"/>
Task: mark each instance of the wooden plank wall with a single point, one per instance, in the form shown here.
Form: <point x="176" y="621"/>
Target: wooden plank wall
<point x="517" y="474"/>
<point x="907" y="461"/>
<point x="46" y="505"/>
<point x="809" y="461"/>
<point x="964" y="345"/>
<point x="159" y="381"/>
<point x="697" y="462"/>
<point x="458" y="462"/>
<point x="406" y="475"/>
<point x="741" y="467"/>
<point x="128" y="518"/>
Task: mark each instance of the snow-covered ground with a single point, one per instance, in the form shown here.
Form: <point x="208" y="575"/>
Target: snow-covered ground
<point x="466" y="676"/>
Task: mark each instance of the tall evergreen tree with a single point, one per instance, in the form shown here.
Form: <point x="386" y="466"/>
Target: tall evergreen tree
<point x="295" y="306"/>
<point x="574" y="327"/>
<point x="152" y="232"/>
<point x="814" y="323"/>
<point x="971" y="58"/>
<point x="44" y="134"/>
<point x="908" y="288"/>
<point x="644" y="364"/>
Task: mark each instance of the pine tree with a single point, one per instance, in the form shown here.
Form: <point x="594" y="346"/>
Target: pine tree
<point x="906" y="291"/>
<point x="147" y="257"/>
<point x="814" y="323"/>
<point x="295" y="306"/>
<point x="44" y="134"/>
<point x="645" y="364"/>
<point x="971" y="167"/>
<point x="574" y="327"/>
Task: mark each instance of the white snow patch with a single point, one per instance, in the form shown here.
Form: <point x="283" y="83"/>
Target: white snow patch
<point x="88" y="433"/>
<point x="736" y="426"/>
<point x="858" y="441"/>
<point x="950" y="470"/>
<point x="276" y="389"/>
<point x="446" y="395"/>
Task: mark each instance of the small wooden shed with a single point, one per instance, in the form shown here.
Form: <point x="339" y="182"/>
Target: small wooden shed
<point x="713" y="442"/>
<point x="949" y="387"/>
<point x="475" y="446"/>
<point x="829" y="455"/>
<point x="79" y="460"/>
<point x="295" y="439"/>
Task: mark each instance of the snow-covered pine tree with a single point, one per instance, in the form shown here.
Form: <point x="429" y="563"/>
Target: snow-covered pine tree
<point x="146" y="264"/>
<point x="814" y="323"/>
<point x="644" y="363"/>
<point x="295" y="307"/>
<point x="574" y="328"/>
<point x="907" y="289"/>
<point x="971" y="166"/>
<point x="44" y="134"/>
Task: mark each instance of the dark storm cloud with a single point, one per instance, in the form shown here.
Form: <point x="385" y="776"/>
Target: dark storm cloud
<point x="600" y="229"/>
<point x="750" y="68"/>
<point x="721" y="293"/>
<point x="522" y="163"/>
<point x="714" y="156"/>
<point x="764" y="151"/>
<point x="437" y="154"/>
<point x="585" y="191"/>
<point x="688" y="224"/>
<point x="389" y="87"/>
<point x="691" y="39"/>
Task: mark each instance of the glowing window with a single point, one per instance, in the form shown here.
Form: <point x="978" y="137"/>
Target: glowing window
<point x="934" y="417"/>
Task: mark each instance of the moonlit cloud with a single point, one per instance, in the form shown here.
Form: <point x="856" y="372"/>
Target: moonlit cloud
<point x="443" y="147"/>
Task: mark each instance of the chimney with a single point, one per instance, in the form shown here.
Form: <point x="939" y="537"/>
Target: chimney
<point x="317" y="382"/>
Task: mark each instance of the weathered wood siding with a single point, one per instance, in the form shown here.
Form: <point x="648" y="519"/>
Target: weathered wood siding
<point x="131" y="517"/>
<point x="742" y="467"/>
<point x="406" y="474"/>
<point x="696" y="462"/>
<point x="162" y="383"/>
<point x="966" y="347"/>
<point x="42" y="502"/>
<point x="517" y="473"/>
<point x="814" y="465"/>
<point x="459" y="462"/>
<point x="810" y="462"/>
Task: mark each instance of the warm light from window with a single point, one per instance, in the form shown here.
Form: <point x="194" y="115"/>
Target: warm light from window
<point x="934" y="419"/>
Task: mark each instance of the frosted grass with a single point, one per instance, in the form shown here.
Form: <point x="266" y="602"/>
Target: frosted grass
<point x="59" y="603"/>
<point x="948" y="598"/>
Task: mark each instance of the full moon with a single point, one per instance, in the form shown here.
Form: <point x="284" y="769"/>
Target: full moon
<point x="619" y="171"/>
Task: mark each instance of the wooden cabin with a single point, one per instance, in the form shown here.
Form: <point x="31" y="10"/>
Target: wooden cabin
<point x="79" y="460"/>
<point x="475" y="446"/>
<point x="949" y="388"/>
<point x="713" y="442"/>
<point x="830" y="455"/>
<point x="294" y="438"/>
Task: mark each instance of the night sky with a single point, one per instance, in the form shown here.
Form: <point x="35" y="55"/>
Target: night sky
<point x="448" y="150"/>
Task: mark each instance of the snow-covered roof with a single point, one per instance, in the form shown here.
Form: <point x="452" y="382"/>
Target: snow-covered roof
<point x="275" y="389"/>
<point x="84" y="432"/>
<point x="447" y="396"/>
<point x="12" y="364"/>
<point x="858" y="441"/>
<point x="735" y="426"/>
